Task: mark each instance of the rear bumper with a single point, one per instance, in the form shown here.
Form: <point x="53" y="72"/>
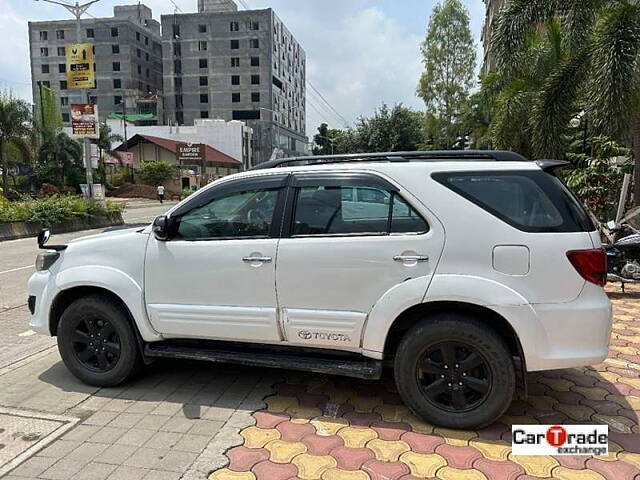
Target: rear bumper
<point x="565" y="335"/>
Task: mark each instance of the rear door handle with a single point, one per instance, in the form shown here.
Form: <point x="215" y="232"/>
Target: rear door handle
<point x="411" y="258"/>
<point x="257" y="259"/>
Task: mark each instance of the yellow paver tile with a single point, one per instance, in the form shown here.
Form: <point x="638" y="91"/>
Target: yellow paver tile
<point x="537" y="466"/>
<point x="226" y="474"/>
<point x="632" y="458"/>
<point x="497" y="450"/>
<point x="634" y="382"/>
<point x="616" y="362"/>
<point x="450" y="473"/>
<point x="280" y="404"/>
<point x="625" y="350"/>
<point x="608" y="376"/>
<point x="337" y="474"/>
<point x="255" y="437"/>
<point x="423" y="465"/>
<point x="312" y="467"/>
<point x="284" y="452"/>
<point x="357" y="437"/>
<point x="560" y="384"/>
<point x="614" y="449"/>
<point x="458" y="438"/>
<point x="576" y="412"/>
<point x="562" y="473"/>
<point x="388" y="451"/>
<point x="326" y="426"/>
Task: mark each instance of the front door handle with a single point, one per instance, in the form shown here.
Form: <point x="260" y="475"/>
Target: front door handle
<point x="411" y="258"/>
<point x="257" y="259"/>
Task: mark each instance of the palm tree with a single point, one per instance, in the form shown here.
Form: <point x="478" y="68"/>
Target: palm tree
<point x="15" y="128"/>
<point x="602" y="66"/>
<point x="514" y="90"/>
<point x="59" y="152"/>
<point x="105" y="145"/>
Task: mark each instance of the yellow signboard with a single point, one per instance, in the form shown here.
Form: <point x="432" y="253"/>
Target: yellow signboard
<point x="80" y="72"/>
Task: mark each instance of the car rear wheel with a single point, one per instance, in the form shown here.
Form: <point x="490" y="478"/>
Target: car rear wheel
<point x="97" y="343"/>
<point x="455" y="372"/>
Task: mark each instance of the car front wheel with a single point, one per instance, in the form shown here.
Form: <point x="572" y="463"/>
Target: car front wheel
<point x="97" y="343"/>
<point x="454" y="372"/>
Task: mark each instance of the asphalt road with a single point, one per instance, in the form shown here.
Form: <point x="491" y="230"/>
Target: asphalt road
<point x="17" y="259"/>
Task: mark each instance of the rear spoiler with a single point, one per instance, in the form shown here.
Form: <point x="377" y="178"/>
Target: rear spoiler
<point x="551" y="165"/>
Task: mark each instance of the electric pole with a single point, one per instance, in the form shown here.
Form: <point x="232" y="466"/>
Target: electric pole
<point x="77" y="11"/>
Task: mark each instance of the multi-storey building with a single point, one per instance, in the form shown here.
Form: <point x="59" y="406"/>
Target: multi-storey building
<point x="236" y="65"/>
<point x="492" y="11"/>
<point x="128" y="61"/>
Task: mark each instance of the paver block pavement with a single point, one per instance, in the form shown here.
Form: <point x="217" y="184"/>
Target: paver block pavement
<point x="371" y="435"/>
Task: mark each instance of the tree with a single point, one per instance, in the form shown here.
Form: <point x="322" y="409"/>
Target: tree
<point x="59" y="158"/>
<point x="15" y="128"/>
<point x="105" y="146"/>
<point x="449" y="56"/>
<point x="517" y="89"/>
<point x="156" y="172"/>
<point x="395" y="130"/>
<point x="324" y="141"/>
<point x="602" y="68"/>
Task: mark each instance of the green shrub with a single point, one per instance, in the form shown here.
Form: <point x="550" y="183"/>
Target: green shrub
<point x="185" y="193"/>
<point x="154" y="173"/>
<point x="53" y="210"/>
<point x="50" y="212"/>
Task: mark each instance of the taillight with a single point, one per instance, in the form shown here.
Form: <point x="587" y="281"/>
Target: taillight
<point x="590" y="264"/>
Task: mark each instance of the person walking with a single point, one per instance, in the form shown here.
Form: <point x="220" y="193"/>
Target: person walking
<point x="160" y="192"/>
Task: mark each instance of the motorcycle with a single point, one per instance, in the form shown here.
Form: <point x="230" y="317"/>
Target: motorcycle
<point x="623" y="254"/>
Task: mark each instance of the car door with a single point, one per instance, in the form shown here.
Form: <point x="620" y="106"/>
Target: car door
<point x="347" y="240"/>
<point x="215" y="278"/>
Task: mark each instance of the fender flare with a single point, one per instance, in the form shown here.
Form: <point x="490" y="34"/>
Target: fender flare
<point x="116" y="282"/>
<point x="482" y="292"/>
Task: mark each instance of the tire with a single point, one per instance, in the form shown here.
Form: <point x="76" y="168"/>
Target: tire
<point x="435" y="392"/>
<point x="114" y="357"/>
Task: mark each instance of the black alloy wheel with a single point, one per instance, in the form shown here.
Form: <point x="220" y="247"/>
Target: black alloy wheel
<point x="454" y="376"/>
<point x="96" y="344"/>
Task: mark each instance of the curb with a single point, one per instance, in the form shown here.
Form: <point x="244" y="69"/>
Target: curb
<point x="16" y="230"/>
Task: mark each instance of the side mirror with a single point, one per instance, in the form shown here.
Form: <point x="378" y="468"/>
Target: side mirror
<point x="161" y="228"/>
<point x="43" y="237"/>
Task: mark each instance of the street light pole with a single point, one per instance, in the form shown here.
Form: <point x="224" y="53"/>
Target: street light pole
<point x="273" y="113"/>
<point x="77" y="11"/>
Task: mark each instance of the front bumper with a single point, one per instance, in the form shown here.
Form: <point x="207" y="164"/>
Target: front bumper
<point x="39" y="289"/>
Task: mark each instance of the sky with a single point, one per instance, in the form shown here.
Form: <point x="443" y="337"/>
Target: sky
<point x="360" y="53"/>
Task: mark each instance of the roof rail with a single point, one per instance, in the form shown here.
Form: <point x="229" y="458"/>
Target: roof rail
<point x="432" y="156"/>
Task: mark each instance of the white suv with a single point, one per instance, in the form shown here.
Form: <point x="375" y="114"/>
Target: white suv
<point x="447" y="266"/>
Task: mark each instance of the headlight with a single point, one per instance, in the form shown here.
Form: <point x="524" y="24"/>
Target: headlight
<point x="44" y="260"/>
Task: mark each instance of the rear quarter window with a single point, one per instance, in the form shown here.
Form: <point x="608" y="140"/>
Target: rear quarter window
<point x="533" y="201"/>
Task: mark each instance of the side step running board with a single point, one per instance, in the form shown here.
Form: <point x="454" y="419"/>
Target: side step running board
<point x="273" y="357"/>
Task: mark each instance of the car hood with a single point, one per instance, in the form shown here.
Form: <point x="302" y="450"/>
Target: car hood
<point x="107" y="236"/>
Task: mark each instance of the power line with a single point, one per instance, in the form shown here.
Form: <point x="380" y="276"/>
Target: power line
<point x="321" y="108"/>
<point x="244" y="4"/>
<point x="325" y="101"/>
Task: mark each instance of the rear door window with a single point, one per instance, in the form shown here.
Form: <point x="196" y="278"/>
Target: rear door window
<point x="529" y="201"/>
<point x="347" y="210"/>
